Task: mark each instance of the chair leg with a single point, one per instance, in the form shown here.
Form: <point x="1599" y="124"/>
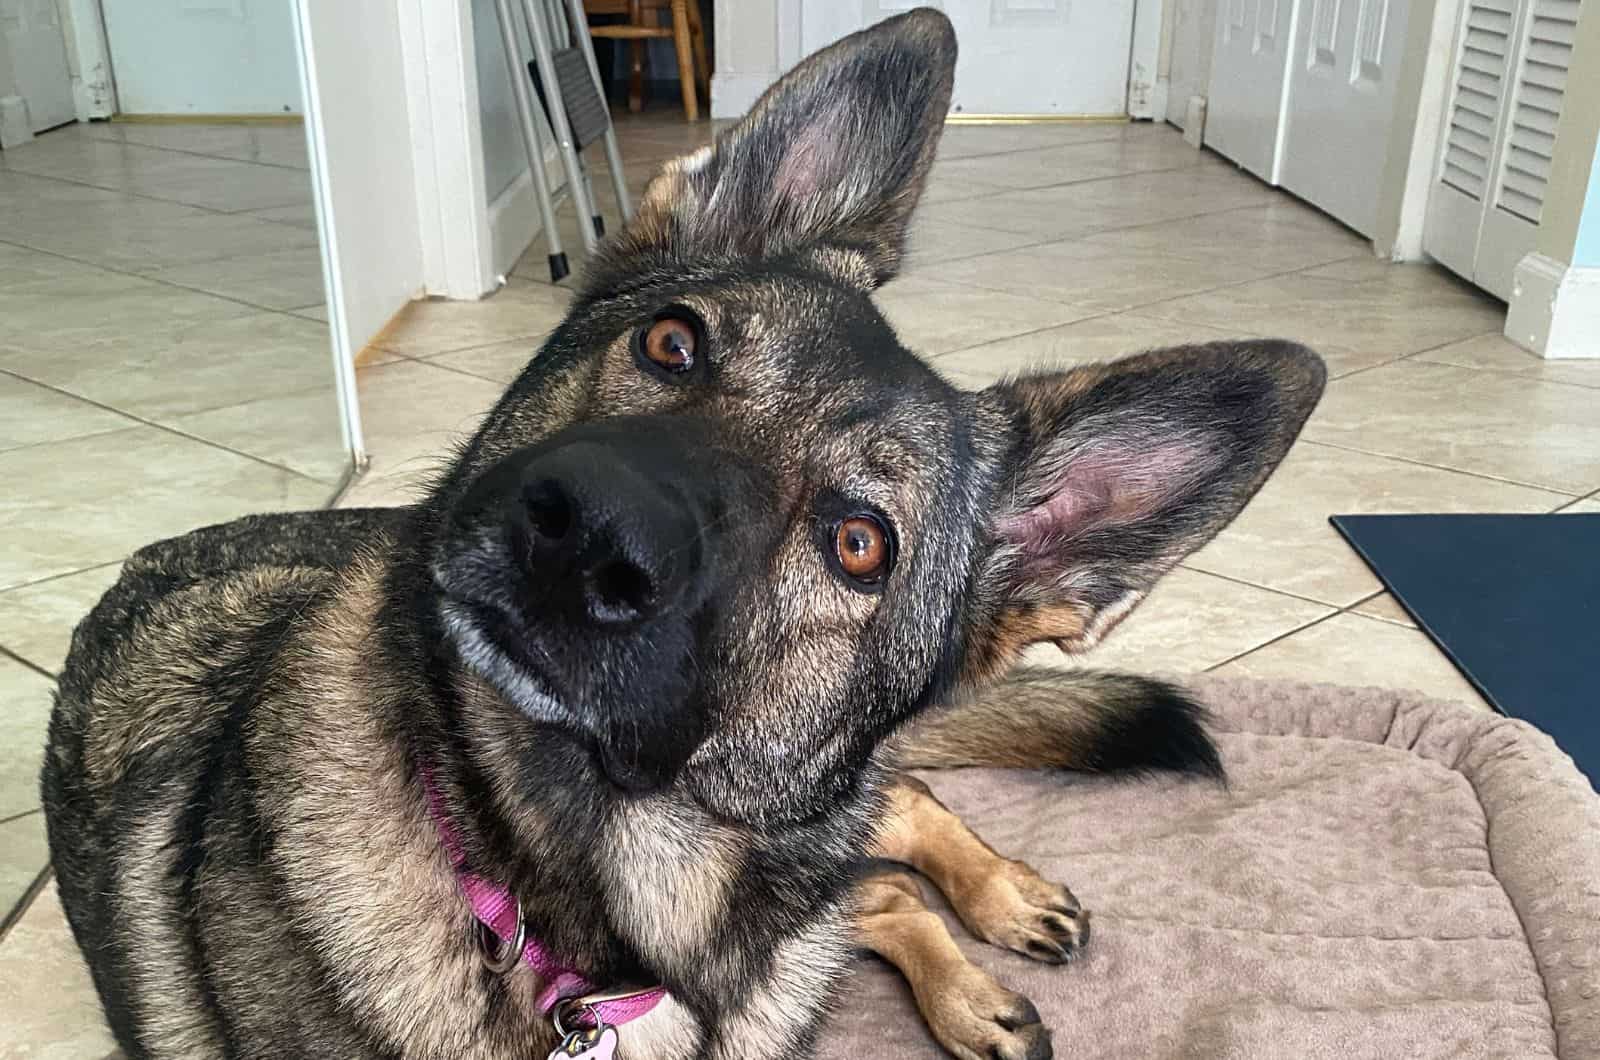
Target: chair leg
<point x="636" y="76"/>
<point x="697" y="33"/>
<point x="681" y="42"/>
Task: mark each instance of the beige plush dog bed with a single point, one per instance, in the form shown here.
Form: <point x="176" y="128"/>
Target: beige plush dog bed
<point x="1386" y="877"/>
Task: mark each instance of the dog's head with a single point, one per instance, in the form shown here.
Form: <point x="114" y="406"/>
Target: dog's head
<point x="728" y="533"/>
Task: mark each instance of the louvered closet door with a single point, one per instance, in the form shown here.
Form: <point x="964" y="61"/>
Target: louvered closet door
<point x="1510" y="224"/>
<point x="1511" y="68"/>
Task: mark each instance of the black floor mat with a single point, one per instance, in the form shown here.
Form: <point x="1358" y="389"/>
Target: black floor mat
<point x="1513" y="600"/>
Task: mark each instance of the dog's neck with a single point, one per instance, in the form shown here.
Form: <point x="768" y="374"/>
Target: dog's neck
<point x="627" y="888"/>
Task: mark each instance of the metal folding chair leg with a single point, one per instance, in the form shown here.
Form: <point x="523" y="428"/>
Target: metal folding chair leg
<point x="523" y="96"/>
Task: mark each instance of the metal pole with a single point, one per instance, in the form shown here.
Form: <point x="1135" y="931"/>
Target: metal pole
<point x="530" y="137"/>
<point x="558" y="121"/>
<point x="613" y="151"/>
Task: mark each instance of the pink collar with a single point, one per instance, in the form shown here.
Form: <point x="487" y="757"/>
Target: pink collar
<point x="496" y="909"/>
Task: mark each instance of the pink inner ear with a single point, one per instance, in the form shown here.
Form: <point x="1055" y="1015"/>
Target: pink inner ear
<point x="1108" y="485"/>
<point x="799" y="175"/>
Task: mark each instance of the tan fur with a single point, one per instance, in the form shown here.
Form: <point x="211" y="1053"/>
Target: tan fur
<point x="163" y="658"/>
<point x="363" y="852"/>
<point x="763" y="1022"/>
<point x="183" y="1029"/>
<point x="1034" y="718"/>
<point x="1001" y="901"/>
<point x="1025" y="625"/>
<point x="671" y="911"/>
<point x="971" y="1015"/>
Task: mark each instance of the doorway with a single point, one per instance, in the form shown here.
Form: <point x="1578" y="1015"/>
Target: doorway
<point x="1019" y="58"/>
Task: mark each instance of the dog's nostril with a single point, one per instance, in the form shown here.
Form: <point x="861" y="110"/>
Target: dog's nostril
<point x="620" y="590"/>
<point x="549" y="511"/>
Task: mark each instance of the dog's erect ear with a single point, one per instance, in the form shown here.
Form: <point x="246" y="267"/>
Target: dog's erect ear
<point x="834" y="153"/>
<point x="1119" y="471"/>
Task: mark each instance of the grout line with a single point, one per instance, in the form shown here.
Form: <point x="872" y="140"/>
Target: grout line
<point x="1526" y="376"/>
<point x="1365" y="599"/>
<point x="184" y="152"/>
<point x="1204" y="158"/>
<point x="1576" y="500"/>
<point x="537" y="338"/>
<point x="156" y="279"/>
<point x="7" y="653"/>
<point x="1262" y="588"/>
<point x="1268" y="643"/>
<point x="1061" y="237"/>
<point x="143" y="422"/>
<point x="1030" y="150"/>
<point x="14" y="818"/>
<point x="1140" y="306"/>
<point x="65" y="574"/>
<point x="24" y="903"/>
<point x="1441" y="467"/>
<point x="155" y="198"/>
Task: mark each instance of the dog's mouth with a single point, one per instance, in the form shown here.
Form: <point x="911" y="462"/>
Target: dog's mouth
<point x="479" y="633"/>
<point x="636" y="748"/>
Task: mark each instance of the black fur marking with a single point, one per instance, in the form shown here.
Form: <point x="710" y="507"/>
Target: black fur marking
<point x="1165" y="733"/>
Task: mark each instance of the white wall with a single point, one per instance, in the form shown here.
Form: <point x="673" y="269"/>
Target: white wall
<point x="503" y="157"/>
<point x="747" y="51"/>
<point x="363" y="161"/>
<point x="203" y="56"/>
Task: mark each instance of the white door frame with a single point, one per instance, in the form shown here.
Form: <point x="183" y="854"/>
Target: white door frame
<point x="1414" y="146"/>
<point x="1147" y="89"/>
<point x="447" y="148"/>
<point x="94" y="89"/>
<point x="447" y="145"/>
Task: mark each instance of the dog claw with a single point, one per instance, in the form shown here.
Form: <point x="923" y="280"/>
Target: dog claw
<point x="978" y="1019"/>
<point x="1020" y="910"/>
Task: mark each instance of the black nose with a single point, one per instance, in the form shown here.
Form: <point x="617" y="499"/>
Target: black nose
<point x="602" y="540"/>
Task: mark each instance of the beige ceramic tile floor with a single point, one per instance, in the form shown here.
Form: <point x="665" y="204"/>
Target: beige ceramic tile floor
<point x="161" y="367"/>
<point x="1039" y="246"/>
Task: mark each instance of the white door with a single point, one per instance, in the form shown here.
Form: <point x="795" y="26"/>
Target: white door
<point x="1249" y="72"/>
<point x="1511" y="65"/>
<point x="203" y="56"/>
<point x="1035" y="57"/>
<point x="1342" y="81"/>
<point x="36" y="51"/>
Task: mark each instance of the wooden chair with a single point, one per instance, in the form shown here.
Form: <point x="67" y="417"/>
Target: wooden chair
<point x="684" y="29"/>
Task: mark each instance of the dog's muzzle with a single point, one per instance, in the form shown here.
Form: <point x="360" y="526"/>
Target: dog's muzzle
<point x="582" y="575"/>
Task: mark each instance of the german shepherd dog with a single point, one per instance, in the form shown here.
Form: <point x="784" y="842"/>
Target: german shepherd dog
<point x="647" y="656"/>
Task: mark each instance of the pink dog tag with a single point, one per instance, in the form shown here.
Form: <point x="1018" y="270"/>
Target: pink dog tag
<point x="597" y="1044"/>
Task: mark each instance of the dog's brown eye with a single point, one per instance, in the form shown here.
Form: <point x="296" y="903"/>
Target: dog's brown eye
<point x="670" y="344"/>
<point x="863" y="548"/>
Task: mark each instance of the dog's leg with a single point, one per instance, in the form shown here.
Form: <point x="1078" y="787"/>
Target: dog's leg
<point x="973" y="1016"/>
<point x="1001" y="901"/>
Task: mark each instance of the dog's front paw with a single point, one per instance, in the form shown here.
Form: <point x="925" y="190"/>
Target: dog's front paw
<point x="1015" y="907"/>
<point x="975" y="1018"/>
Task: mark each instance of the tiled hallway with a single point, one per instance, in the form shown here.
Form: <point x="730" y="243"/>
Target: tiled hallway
<point x="1038" y="245"/>
<point x="160" y="304"/>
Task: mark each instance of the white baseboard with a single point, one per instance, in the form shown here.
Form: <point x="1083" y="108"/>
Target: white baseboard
<point x="514" y="221"/>
<point x="513" y="224"/>
<point x="733" y="93"/>
<point x="1555" y="309"/>
<point x="15" y="128"/>
<point x="1194" y="122"/>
